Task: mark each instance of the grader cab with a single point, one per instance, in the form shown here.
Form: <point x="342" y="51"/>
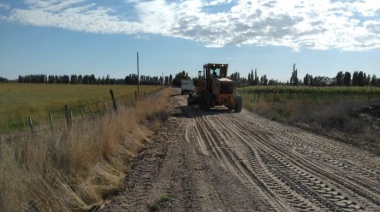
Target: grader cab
<point x="215" y="89"/>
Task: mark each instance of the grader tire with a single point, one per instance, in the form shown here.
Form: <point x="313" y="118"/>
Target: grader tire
<point x="239" y="104"/>
<point x="207" y="104"/>
<point x="202" y="102"/>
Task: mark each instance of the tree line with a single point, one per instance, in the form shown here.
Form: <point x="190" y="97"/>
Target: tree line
<point x="92" y="79"/>
<point x="253" y="79"/>
<point x="358" y="78"/>
<point x="2" y="79"/>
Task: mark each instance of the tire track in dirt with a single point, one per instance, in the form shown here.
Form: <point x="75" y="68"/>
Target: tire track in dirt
<point x="354" y="179"/>
<point x="294" y="169"/>
<point x="226" y="158"/>
<point x="178" y="164"/>
<point x="329" y="173"/>
<point x="257" y="177"/>
<point x="222" y="161"/>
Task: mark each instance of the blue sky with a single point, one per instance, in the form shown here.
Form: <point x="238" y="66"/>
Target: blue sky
<point x="102" y="37"/>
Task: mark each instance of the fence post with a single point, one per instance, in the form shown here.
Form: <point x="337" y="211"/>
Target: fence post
<point x="136" y="95"/>
<point x="68" y="116"/>
<point x="92" y="115"/>
<point x="31" y="124"/>
<point x="81" y="112"/>
<point x="51" y="122"/>
<point x="97" y="106"/>
<point x="258" y="98"/>
<point x="113" y="100"/>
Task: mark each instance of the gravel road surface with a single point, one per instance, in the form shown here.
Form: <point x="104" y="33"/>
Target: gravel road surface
<point x="222" y="161"/>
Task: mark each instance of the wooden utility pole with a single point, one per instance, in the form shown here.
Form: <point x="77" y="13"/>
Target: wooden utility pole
<point x="138" y="75"/>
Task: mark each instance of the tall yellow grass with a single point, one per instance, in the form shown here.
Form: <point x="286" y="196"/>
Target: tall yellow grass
<point x="73" y="170"/>
<point x="337" y="115"/>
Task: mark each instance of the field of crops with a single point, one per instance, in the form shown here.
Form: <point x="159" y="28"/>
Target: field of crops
<point x="20" y="101"/>
<point x="313" y="95"/>
<point x="307" y="89"/>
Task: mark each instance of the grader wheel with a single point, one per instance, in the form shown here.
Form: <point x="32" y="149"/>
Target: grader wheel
<point x="207" y="101"/>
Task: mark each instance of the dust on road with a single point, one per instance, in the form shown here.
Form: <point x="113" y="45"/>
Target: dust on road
<point x="223" y="161"/>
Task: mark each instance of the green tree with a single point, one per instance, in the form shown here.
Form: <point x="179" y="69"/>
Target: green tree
<point x="294" y="79"/>
<point x="183" y="75"/>
<point x="355" y="81"/>
<point x="307" y="79"/>
<point x="2" y="79"/>
<point x="108" y="81"/>
<point x="361" y="78"/>
<point x="256" y="78"/>
<point x="347" y="79"/>
<point x="339" y="78"/>
<point x="373" y="80"/>
<point x="264" y="80"/>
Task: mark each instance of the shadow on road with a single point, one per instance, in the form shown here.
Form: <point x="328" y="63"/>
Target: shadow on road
<point x="191" y="111"/>
<point x="175" y="95"/>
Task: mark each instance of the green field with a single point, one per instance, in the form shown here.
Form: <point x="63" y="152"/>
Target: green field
<point x="20" y="101"/>
<point x="307" y="89"/>
<point x="312" y="95"/>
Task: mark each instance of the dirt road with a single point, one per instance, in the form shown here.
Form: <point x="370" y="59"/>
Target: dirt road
<point x="222" y="161"/>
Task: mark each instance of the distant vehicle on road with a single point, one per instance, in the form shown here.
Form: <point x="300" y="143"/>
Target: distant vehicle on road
<point x="187" y="86"/>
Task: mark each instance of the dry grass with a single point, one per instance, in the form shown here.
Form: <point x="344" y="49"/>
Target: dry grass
<point x="336" y="117"/>
<point x="73" y="170"/>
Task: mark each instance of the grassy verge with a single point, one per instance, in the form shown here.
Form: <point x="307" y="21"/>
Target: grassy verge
<point x="334" y="114"/>
<point x="72" y="170"/>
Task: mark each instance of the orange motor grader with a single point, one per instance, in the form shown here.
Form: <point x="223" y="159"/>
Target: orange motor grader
<point x="215" y="89"/>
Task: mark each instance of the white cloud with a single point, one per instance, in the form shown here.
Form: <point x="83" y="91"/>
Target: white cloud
<point x="53" y="5"/>
<point x="88" y="18"/>
<point x="367" y="7"/>
<point x="4" y="6"/>
<point x="156" y="17"/>
<point x="314" y="24"/>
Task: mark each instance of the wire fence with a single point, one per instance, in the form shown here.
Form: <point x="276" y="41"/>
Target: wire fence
<point x="73" y="114"/>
